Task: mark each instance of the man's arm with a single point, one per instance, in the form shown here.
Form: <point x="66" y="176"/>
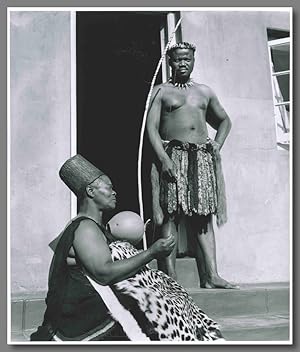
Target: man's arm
<point x="93" y="252"/>
<point x="152" y="125"/>
<point x="217" y="118"/>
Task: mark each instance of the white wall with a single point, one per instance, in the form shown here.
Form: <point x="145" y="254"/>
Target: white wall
<point x="232" y="58"/>
<point x="40" y="141"/>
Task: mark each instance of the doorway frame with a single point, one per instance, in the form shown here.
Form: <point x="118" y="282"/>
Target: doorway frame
<point x="165" y="32"/>
<point x="73" y="103"/>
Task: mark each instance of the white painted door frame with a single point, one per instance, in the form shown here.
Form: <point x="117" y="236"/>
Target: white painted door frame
<point x="164" y="37"/>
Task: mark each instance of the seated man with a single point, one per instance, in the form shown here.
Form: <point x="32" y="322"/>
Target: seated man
<point x="101" y="289"/>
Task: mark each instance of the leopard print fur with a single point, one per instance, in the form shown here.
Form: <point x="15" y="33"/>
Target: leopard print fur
<point x="166" y="304"/>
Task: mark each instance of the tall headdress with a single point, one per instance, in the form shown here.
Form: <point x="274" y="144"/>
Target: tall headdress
<point x="77" y="173"/>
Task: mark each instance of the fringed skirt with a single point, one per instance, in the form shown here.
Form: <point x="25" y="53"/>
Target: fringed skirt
<point x="195" y="189"/>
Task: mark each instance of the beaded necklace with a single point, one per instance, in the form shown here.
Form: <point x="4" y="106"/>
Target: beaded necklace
<point x="180" y="85"/>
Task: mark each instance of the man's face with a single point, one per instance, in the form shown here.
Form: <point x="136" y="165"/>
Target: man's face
<point x="182" y="62"/>
<point x="104" y="194"/>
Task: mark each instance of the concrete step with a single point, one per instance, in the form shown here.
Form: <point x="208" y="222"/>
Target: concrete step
<point x="261" y="327"/>
<point x="186" y="270"/>
<point x="249" y="299"/>
<point x="273" y="298"/>
<point x="244" y="314"/>
<point x="27" y="313"/>
<point x="279" y="333"/>
<point x="19" y="336"/>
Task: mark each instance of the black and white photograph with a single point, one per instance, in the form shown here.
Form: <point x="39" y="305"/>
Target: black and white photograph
<point x="149" y="165"/>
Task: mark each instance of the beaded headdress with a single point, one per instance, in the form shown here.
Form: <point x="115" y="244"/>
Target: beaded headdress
<point x="181" y="45"/>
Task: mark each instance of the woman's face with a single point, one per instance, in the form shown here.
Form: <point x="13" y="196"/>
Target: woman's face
<point x="103" y="192"/>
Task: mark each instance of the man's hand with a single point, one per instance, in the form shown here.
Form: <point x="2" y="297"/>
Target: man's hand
<point x="215" y="146"/>
<point x="168" y="169"/>
<point x="162" y="247"/>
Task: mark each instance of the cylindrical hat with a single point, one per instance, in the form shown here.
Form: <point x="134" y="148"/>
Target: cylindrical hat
<point x="77" y="173"/>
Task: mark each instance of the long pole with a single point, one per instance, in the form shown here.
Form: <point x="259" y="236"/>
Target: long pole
<point x="140" y="152"/>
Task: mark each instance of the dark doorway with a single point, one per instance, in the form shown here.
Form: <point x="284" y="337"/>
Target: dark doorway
<point x="117" y="53"/>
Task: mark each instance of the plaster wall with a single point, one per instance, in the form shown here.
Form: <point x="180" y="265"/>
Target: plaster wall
<point x="39" y="141"/>
<point x="232" y="58"/>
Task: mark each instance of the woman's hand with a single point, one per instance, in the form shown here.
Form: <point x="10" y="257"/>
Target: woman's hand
<point x="162" y="247"/>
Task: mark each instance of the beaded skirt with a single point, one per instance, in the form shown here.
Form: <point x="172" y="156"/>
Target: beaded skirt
<point x="195" y="188"/>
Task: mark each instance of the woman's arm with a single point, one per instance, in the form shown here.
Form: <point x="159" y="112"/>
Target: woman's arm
<point x="93" y="252"/>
